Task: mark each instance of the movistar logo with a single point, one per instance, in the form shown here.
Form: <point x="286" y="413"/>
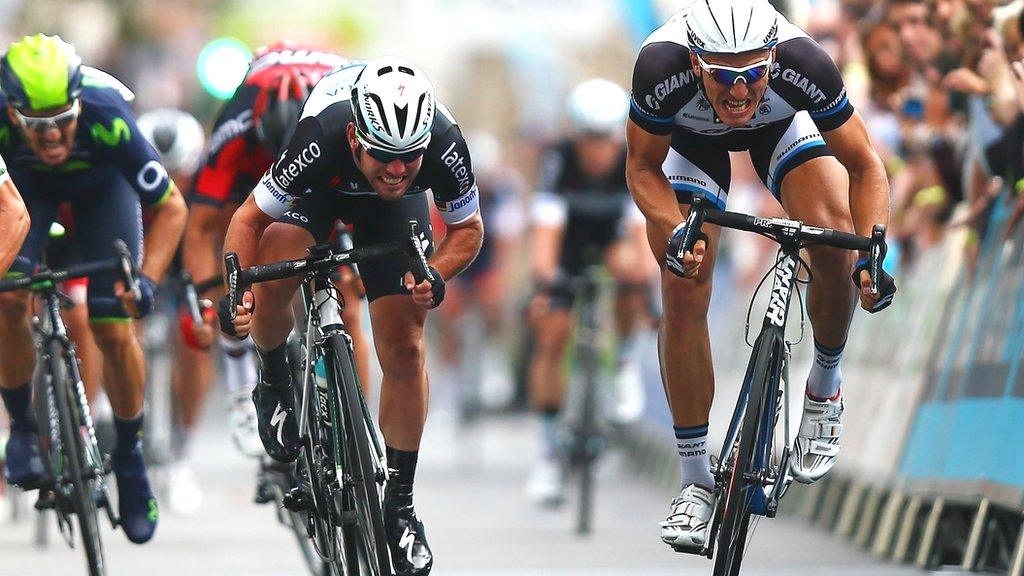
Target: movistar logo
<point x="154" y="512"/>
<point x="112" y="136"/>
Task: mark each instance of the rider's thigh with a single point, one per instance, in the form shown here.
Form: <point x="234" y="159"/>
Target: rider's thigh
<point x="280" y="241"/>
<point x="14" y="308"/>
<point x="397" y="324"/>
<point x="816" y="192"/>
<point x="113" y="335"/>
<point x="684" y="298"/>
<point x="553" y="331"/>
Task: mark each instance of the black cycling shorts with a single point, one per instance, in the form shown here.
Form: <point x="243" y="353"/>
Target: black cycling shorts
<point x="373" y="221"/>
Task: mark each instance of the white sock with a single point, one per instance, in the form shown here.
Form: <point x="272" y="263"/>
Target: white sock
<point x="239" y="365"/>
<point x="692" y="443"/>
<point x="825" y="377"/>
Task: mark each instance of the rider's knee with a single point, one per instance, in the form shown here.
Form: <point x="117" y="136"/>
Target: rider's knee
<point x="112" y="335"/>
<point x="685" y="299"/>
<point x="13" y="306"/>
<point x="401" y="357"/>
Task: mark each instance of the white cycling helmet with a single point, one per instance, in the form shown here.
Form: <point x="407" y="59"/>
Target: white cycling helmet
<point x="177" y="136"/>
<point x="732" y="26"/>
<point x="393" y="105"/>
<point x="598" y="106"/>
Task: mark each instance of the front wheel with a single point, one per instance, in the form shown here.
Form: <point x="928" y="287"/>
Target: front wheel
<point x="76" y="457"/>
<point x="739" y="489"/>
<point x="362" y="478"/>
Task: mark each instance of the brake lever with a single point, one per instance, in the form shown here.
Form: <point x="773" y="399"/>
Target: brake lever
<point x="191" y="298"/>
<point x="233" y="270"/>
<point x="129" y="271"/>
<point x="417" y="258"/>
<point x="694" y="221"/>
<point x="877" y="257"/>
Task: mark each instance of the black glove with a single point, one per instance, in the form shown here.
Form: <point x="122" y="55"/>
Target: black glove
<point x="674" y="253"/>
<point x="436" y="287"/>
<point x="147" y="296"/>
<point x="886" y="284"/>
<point x="224" y="316"/>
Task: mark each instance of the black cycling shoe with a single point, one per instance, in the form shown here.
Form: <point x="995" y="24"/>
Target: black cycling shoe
<point x="275" y="413"/>
<point x="136" y="504"/>
<point x="24" y="463"/>
<point x="407" y="540"/>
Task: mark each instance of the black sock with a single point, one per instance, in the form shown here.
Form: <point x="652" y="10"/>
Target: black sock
<point x="402" y="467"/>
<point x="274" y="365"/>
<point x="19" y="406"/>
<point x="129" y="436"/>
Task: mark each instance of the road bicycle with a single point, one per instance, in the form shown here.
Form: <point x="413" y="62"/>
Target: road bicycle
<point x="751" y="472"/>
<point x="341" y="469"/>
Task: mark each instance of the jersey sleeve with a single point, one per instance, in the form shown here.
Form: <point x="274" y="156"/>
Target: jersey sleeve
<point x="304" y="164"/>
<point x="228" y="149"/>
<point x="135" y="156"/>
<point x="810" y="80"/>
<point x="456" y="195"/>
<point x="549" y="208"/>
<point x="662" y="79"/>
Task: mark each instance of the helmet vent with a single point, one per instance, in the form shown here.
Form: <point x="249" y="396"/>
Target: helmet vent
<point x="385" y="70"/>
<point x="380" y="112"/>
<point x="401" y="115"/>
<point x="406" y="70"/>
<point x="715" y="20"/>
<point x="419" y="109"/>
<point x="750" y="20"/>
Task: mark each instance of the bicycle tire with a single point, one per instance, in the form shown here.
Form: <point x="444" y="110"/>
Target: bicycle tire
<point x="359" y="462"/>
<point x="75" y="450"/>
<point x="584" y="440"/>
<point x="732" y="533"/>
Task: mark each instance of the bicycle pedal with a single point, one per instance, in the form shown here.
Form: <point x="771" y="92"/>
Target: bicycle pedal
<point x="46" y="501"/>
<point x="297" y="500"/>
<point x="264" y="493"/>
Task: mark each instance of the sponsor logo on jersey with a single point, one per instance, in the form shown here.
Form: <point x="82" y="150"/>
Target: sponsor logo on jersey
<point x="456" y="163"/>
<point x="230" y="129"/>
<point x="151" y="176"/>
<point x="831" y="105"/>
<point x="684" y="178"/>
<point x="794" y="144"/>
<point x="288" y="173"/>
<point x="112" y="136"/>
<point x="667" y="86"/>
<point x="803" y="83"/>
<point x="281" y="196"/>
<point x="459" y="203"/>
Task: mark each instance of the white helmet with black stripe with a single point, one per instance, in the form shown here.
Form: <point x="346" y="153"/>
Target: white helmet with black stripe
<point x="393" y="105"/>
<point x="731" y="26"/>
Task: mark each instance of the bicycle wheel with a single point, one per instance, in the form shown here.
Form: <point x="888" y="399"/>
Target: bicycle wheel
<point x="76" y="457"/>
<point x="761" y="377"/>
<point x="359" y="462"/>
<point x="585" y="439"/>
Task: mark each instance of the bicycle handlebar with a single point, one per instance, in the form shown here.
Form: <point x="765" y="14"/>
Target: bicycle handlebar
<point x="322" y="259"/>
<point x="782" y="230"/>
<point x="41" y="280"/>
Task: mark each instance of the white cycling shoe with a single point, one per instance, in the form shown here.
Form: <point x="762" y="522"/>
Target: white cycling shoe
<point x="242" y="415"/>
<point x="686" y="527"/>
<point x="817" y="444"/>
<point x="546" y="486"/>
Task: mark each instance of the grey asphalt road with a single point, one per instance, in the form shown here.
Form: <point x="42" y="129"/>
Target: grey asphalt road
<point x="470" y="494"/>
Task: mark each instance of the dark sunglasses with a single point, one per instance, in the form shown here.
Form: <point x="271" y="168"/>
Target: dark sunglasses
<point x="729" y="76"/>
<point x="385" y="157"/>
<point x="44" y="123"/>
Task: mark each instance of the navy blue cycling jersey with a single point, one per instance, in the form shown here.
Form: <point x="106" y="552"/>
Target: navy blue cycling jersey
<point x="107" y="142"/>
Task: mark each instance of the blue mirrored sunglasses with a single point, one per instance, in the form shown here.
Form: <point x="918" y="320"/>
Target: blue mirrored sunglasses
<point x="729" y="76"/>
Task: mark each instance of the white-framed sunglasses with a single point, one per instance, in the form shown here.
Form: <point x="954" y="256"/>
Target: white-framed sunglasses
<point x="44" y="123"/>
<point x="729" y="76"/>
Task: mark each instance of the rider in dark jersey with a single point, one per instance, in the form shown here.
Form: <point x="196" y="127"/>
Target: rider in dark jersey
<point x="70" y="136"/>
<point x="249" y="131"/>
<point x="371" y="143"/>
<point x="731" y="75"/>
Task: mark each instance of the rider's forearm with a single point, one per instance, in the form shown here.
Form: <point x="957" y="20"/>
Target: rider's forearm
<point x="199" y="255"/>
<point x="164" y="235"/>
<point x="654" y="196"/>
<point x="244" y="232"/>
<point x="14" y="224"/>
<point x="459" y="247"/>
<point x="544" y="249"/>
<point x="869" y="197"/>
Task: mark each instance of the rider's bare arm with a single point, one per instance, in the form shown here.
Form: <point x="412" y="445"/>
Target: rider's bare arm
<point x="869" y="186"/>
<point x="646" y="180"/>
<point x="164" y="234"/>
<point x="245" y="230"/>
<point x="459" y="247"/>
<point x="14" y="223"/>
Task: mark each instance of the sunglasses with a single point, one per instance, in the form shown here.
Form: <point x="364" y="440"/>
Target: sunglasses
<point x="385" y="157"/>
<point x="729" y="76"/>
<point x="43" y="123"/>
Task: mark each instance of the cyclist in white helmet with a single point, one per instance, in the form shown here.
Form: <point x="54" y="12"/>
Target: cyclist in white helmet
<point x="372" y="140"/>
<point x="732" y="75"/>
<point x="582" y="215"/>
